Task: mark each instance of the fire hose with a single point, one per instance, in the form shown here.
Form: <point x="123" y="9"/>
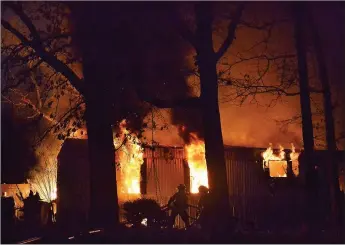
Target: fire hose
<point x="166" y="208"/>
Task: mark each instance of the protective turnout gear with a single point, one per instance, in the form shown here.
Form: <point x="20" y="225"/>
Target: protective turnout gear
<point x="204" y="205"/>
<point x="181" y="187"/>
<point x="179" y="204"/>
<point x="203" y="189"/>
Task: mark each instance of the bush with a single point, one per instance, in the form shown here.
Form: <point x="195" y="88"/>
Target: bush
<point x="138" y="210"/>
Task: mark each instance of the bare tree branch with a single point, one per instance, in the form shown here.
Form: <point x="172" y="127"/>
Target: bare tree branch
<point x="263" y="26"/>
<point x="50" y="59"/>
<point x="17" y="9"/>
<point x="24" y="101"/>
<point x="231" y="32"/>
<point x="174" y="103"/>
<point x="59" y="122"/>
<point x="16" y="49"/>
<point x="20" y="81"/>
<point x="14" y="31"/>
<point x="188" y="35"/>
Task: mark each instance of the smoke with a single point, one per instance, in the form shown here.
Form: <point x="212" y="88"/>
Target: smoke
<point x="187" y="121"/>
<point x="138" y="52"/>
<point x="253" y="126"/>
<point x="150" y="55"/>
<point x="241" y="126"/>
<point x="247" y="126"/>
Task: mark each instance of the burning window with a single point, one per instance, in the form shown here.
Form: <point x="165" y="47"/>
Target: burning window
<point x="130" y="157"/>
<point x="195" y="153"/>
<point x="277" y="168"/>
<point x="277" y="163"/>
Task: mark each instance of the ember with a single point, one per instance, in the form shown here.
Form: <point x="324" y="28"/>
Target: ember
<point x="195" y="153"/>
<point x="130" y="157"/>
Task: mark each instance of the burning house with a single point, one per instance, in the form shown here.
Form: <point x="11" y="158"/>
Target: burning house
<point x="263" y="184"/>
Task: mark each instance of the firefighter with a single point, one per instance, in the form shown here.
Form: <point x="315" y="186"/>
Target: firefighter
<point x="204" y="206"/>
<point x="32" y="209"/>
<point x="179" y="204"/>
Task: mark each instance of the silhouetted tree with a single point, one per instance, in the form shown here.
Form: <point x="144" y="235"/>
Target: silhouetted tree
<point x="329" y="121"/>
<point x="307" y="125"/>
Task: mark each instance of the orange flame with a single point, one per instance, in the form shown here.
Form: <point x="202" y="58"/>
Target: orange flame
<point x="197" y="163"/>
<point x="294" y="159"/>
<point x="275" y="162"/>
<point x="269" y="155"/>
<point x="130" y="157"/>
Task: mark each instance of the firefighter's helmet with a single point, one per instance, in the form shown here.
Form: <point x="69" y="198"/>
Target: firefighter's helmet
<point x="181" y="187"/>
<point x="203" y="189"/>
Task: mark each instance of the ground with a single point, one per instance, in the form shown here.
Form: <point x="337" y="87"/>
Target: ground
<point x="130" y="235"/>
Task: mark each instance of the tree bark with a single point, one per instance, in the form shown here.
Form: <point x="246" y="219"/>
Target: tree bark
<point x="95" y="39"/>
<point x="307" y="125"/>
<point x="329" y="124"/>
<point x="104" y="208"/>
<point x="214" y="146"/>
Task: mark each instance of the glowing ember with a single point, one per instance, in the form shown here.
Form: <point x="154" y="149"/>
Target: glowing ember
<point x="195" y="153"/>
<point x="130" y="156"/>
<point x="144" y="222"/>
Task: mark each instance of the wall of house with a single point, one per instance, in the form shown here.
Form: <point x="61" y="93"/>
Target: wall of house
<point x="254" y="197"/>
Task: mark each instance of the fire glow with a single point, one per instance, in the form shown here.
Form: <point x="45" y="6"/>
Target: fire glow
<point x="130" y="156"/>
<point x="277" y="163"/>
<point x="195" y="153"/>
<point x="294" y="159"/>
<point x="44" y="180"/>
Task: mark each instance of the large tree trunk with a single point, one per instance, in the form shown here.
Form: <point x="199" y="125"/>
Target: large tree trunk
<point x="94" y="38"/>
<point x="329" y="123"/>
<point x="307" y="125"/>
<point x="104" y="209"/>
<point x="211" y="117"/>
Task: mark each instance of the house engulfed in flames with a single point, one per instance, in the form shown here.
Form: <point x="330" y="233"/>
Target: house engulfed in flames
<point x="155" y="173"/>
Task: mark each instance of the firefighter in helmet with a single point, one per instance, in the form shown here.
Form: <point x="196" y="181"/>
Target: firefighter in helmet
<point x="203" y="191"/>
<point x="204" y="206"/>
<point x="178" y="204"/>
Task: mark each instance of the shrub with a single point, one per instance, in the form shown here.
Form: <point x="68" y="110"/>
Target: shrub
<point x="138" y="210"/>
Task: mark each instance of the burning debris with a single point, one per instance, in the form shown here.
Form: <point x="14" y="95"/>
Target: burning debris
<point x="195" y="154"/>
<point x="277" y="162"/>
<point x="130" y="157"/>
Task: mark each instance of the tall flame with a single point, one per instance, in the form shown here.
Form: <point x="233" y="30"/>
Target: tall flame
<point x="294" y="159"/>
<point x="130" y="156"/>
<point x="195" y="152"/>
